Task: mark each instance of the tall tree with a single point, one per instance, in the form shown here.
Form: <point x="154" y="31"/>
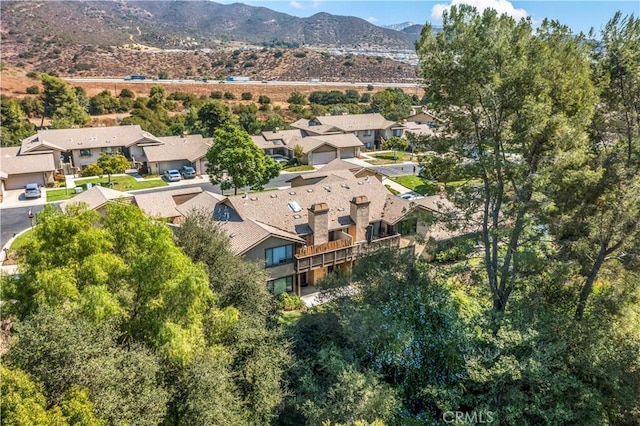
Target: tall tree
<point x="512" y="103"/>
<point x="14" y="123"/>
<point x="600" y="222"/>
<point x="61" y="104"/>
<point x="235" y="161"/>
<point x="212" y="115"/>
<point x="392" y="103"/>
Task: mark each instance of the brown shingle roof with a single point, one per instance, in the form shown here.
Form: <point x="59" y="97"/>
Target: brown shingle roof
<point x="205" y="201"/>
<point x="272" y="207"/>
<point x="87" y="137"/>
<point x="161" y="203"/>
<point x="346" y="123"/>
<point x="191" y="148"/>
<point x="12" y="164"/>
<point x="247" y="234"/>
<point x="96" y="197"/>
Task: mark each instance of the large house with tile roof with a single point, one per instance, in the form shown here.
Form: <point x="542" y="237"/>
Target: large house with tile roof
<point x="370" y="129"/>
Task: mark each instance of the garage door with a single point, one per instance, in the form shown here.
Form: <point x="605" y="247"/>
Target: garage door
<point x="19" y="181"/>
<point x="173" y="165"/>
<point x="323" y="157"/>
<point x="347" y="153"/>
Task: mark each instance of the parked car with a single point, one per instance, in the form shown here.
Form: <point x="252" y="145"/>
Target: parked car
<point x="410" y="196"/>
<point x="32" y="190"/>
<point x="187" y="172"/>
<point x="172" y="175"/>
<point x="279" y="158"/>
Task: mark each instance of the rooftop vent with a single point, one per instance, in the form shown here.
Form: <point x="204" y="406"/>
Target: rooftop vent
<point x="296" y="216"/>
<point x="360" y="183"/>
<point x="274" y="195"/>
<point x="344" y="185"/>
<point x="327" y="188"/>
<point x="340" y="209"/>
<point x="292" y="193"/>
<point x="254" y="198"/>
<point x="309" y="190"/>
<point x="294" y="206"/>
<point x="233" y="234"/>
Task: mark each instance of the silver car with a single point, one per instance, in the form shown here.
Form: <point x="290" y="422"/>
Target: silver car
<point x="172" y="175"/>
<point x="32" y="190"/>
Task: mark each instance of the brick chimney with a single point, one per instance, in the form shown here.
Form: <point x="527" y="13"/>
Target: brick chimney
<point x="319" y="222"/>
<point x="359" y="213"/>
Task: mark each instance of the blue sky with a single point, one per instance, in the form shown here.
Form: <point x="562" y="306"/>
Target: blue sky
<point x="578" y="15"/>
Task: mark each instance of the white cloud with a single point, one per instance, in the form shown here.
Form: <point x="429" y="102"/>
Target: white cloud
<point x="305" y="5"/>
<point x="371" y="19"/>
<point x="501" y="6"/>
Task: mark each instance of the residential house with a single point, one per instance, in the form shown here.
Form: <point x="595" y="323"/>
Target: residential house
<point x="177" y="151"/>
<point x="302" y="233"/>
<point x="318" y="149"/>
<point x="97" y="198"/>
<point x="73" y="149"/>
<point x="18" y="170"/>
<point x="339" y="168"/>
<point x="371" y="129"/>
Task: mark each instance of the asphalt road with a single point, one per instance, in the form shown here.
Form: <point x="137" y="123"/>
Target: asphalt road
<point x="14" y="220"/>
<point x="251" y="82"/>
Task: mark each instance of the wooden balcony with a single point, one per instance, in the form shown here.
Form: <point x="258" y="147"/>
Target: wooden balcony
<point x="339" y="251"/>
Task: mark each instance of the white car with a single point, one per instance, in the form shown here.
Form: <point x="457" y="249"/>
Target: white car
<point x="410" y="196"/>
<point x="172" y="175"/>
<point x="279" y="158"/>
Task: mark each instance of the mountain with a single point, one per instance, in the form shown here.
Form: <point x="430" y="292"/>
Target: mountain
<point x="185" y="24"/>
<point x="399" y="27"/>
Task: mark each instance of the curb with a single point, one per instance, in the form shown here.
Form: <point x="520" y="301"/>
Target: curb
<point x="3" y="252"/>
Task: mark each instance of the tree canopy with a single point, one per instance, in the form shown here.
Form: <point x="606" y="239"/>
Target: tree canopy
<point x="236" y="162"/>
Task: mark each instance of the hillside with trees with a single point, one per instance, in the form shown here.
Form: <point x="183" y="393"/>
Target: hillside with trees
<point x="532" y="320"/>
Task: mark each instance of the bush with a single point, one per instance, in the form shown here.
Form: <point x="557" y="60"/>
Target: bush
<point x="300" y="54"/>
<point x="246" y="96"/>
<point x="229" y="96"/>
<point x="33" y="90"/>
<point x="291" y="302"/>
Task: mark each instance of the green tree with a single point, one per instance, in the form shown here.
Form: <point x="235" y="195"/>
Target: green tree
<point x="540" y="87"/>
<point x="235" y="161"/>
<point x="297" y="98"/>
<point x="61" y="104"/>
<point x="156" y="97"/>
<point x="212" y="115"/>
<point x="298" y="153"/>
<point x="392" y="103"/>
<point x="66" y="352"/>
<point x="395" y="143"/>
<point x="112" y="164"/>
<point x="14" y="123"/>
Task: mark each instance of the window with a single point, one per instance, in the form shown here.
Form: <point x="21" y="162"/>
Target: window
<point x="397" y="132"/>
<point x="277" y="255"/>
<point x="355" y="133"/>
<point x="281" y="285"/>
<point x="367" y="132"/>
<point x="110" y="150"/>
<point x="85" y="153"/>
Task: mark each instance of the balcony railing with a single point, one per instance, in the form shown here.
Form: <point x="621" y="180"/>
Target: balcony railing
<point x="339" y="251"/>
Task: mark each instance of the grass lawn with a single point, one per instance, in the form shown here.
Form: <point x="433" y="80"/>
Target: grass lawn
<point x="390" y="158"/>
<point x="391" y="190"/>
<point x="22" y="240"/>
<point x="120" y="183"/>
<point x="417" y="184"/>
<point x="302" y="168"/>
<point x="290" y="317"/>
<point x="427" y="187"/>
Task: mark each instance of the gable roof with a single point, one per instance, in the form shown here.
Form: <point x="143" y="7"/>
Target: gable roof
<point x="205" y="201"/>
<point x="13" y="164"/>
<point x="190" y="147"/>
<point x="272" y="207"/>
<point x="162" y="203"/>
<point x="345" y="123"/>
<point x="96" y="197"/>
<point x="247" y="234"/>
<point x="86" y="138"/>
